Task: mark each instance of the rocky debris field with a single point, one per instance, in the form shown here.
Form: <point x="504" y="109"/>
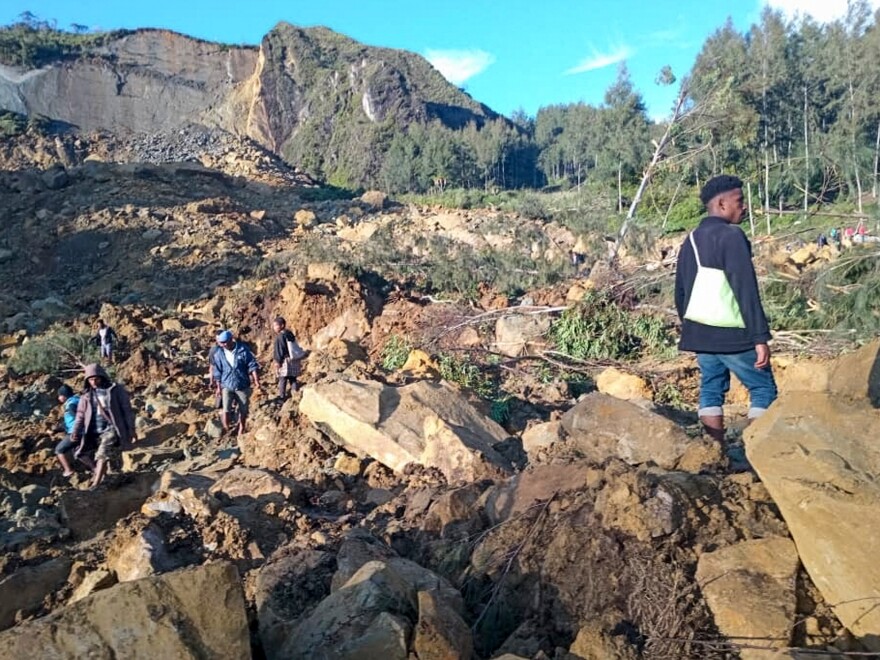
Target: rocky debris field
<point x="385" y="511"/>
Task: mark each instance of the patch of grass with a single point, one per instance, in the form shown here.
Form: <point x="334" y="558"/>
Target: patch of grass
<point x="327" y="193"/>
<point x="57" y="351"/>
<point x="468" y="374"/>
<point x="670" y="396"/>
<point x="395" y="352"/>
<point x="599" y="328"/>
<point x="12" y="123"/>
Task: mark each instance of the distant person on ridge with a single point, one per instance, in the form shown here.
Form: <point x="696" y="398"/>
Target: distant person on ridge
<point x="104" y="419"/>
<point x="69" y="402"/>
<point x="106" y="339"/>
<point x="287" y="355"/>
<point x="718" y="302"/>
<point x="232" y="368"/>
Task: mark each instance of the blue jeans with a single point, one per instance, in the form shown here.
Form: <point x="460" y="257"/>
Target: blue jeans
<point x="715" y="371"/>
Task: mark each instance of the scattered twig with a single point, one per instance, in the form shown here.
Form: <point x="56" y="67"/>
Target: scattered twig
<point x="513" y="555"/>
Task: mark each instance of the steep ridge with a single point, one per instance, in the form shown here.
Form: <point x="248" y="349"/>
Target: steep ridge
<point x="315" y="97"/>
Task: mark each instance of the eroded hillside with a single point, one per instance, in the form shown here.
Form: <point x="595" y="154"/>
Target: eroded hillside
<point x="450" y="482"/>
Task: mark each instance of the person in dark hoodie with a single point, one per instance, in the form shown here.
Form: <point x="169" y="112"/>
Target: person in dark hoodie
<point x="718" y="302"/>
<point x="287" y="355"/>
<point x="104" y="419"/>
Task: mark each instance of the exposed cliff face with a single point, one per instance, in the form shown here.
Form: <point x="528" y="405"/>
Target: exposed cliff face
<point x="318" y="98"/>
<point x="144" y="82"/>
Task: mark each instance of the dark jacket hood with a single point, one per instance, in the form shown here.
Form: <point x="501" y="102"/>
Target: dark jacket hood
<point x="95" y="370"/>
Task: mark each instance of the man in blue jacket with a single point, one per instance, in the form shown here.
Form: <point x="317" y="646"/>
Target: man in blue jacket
<point x="232" y="368"/>
<point x="732" y="332"/>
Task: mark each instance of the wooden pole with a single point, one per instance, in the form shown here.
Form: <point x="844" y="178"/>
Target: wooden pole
<point x="751" y="217"/>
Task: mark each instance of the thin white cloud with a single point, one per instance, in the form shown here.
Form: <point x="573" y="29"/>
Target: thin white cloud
<point x="600" y="60"/>
<point x="823" y="11"/>
<point x="457" y="66"/>
<point x="666" y="36"/>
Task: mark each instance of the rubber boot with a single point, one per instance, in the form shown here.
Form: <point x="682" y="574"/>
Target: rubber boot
<point x="714" y="427"/>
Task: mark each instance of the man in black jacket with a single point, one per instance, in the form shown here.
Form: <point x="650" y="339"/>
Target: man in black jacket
<point x="287" y="355"/>
<point x="733" y="334"/>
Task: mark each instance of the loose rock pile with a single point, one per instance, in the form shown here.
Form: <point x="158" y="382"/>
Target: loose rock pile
<point x="381" y="512"/>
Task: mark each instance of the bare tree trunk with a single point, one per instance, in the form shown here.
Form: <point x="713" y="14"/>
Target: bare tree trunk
<point x="619" y="190"/>
<point x="858" y="179"/>
<point x="671" y="204"/>
<point x="852" y="116"/>
<point x="806" y="155"/>
<point x="659" y="149"/>
<point x="749" y="200"/>
<point x="876" y="161"/>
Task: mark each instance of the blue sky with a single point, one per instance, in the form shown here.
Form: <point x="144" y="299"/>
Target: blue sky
<point x="508" y="54"/>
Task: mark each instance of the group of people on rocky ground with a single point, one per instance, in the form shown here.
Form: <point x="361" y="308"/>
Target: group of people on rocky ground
<point x="716" y="296"/>
<point x="99" y="422"/>
<point x="841" y="238"/>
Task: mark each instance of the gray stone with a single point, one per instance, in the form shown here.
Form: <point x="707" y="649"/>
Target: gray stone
<point x="368" y="617"/>
<point x="162" y="617"/>
<point x="603" y="427"/>
<point x="26" y="588"/>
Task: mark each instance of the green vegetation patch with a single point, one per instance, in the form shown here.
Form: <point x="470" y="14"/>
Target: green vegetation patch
<point x="599" y="328"/>
<point x="34" y="43"/>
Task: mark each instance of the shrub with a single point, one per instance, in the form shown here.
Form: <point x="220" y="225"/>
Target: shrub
<point x="395" y="352"/>
<point x="466" y="373"/>
<point x="685" y="214"/>
<point x="598" y="328"/>
<point x="55" y="352"/>
<point x="12" y="123"/>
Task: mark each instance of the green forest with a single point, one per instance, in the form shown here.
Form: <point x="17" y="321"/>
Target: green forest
<point x="788" y="106"/>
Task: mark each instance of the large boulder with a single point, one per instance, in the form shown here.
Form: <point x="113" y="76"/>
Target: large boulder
<point x="818" y="457"/>
<point x="750" y="588"/>
<point x="360" y="548"/>
<point x="857" y="375"/>
<point x="515" y="332"/>
<point x="136" y="554"/>
<point x="369" y="617"/>
<point x="84" y="519"/>
<point x="26" y="588"/>
<point x="291" y="581"/>
<point x="521" y="492"/>
<point x="602" y="427"/>
<point x="424" y="423"/>
<point x="441" y="632"/>
<point x="196" y="613"/>
<point x="253" y="484"/>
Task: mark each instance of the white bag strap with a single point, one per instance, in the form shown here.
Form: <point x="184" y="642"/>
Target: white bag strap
<point x="696" y="253"/>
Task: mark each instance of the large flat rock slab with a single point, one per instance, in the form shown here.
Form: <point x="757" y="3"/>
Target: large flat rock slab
<point x="425" y="423"/>
<point x="819" y="458"/>
<point x="193" y="613"/>
<point x="750" y="588"/>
